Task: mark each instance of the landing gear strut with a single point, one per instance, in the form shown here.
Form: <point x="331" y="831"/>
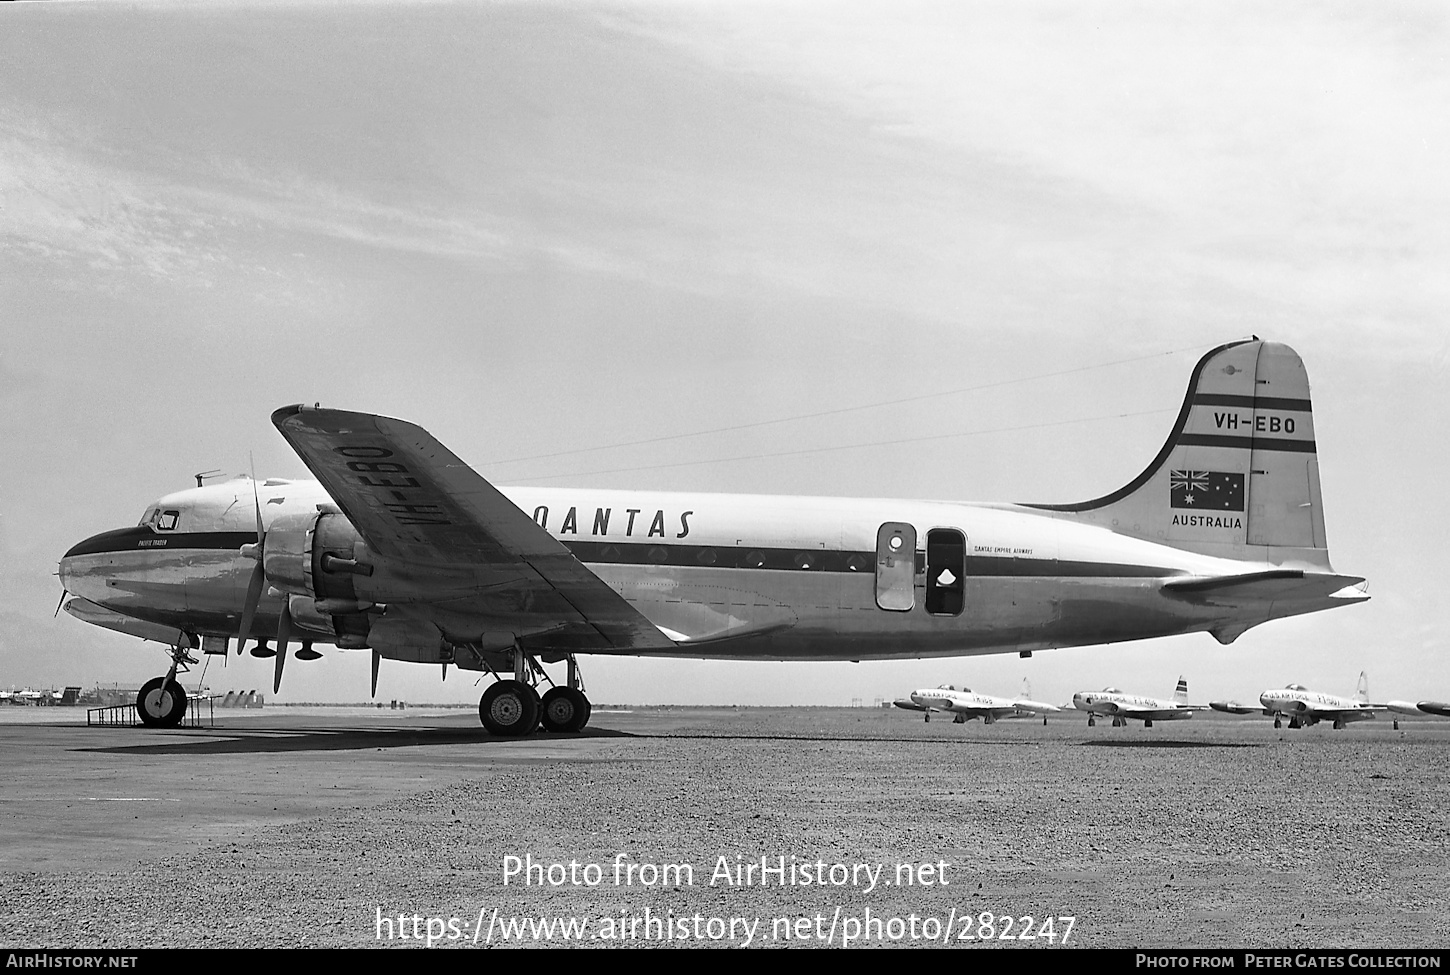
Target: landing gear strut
<point x="512" y="708"/>
<point x="162" y="700"/>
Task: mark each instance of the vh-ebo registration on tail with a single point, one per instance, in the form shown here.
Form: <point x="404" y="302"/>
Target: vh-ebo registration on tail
<point x="401" y="549"/>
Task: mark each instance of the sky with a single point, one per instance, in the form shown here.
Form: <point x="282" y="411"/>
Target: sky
<point x="548" y="231"/>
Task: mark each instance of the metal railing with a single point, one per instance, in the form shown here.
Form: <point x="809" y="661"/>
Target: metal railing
<point x="125" y="716"/>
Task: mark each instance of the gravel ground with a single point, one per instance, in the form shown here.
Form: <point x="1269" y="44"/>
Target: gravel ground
<point x="1212" y="833"/>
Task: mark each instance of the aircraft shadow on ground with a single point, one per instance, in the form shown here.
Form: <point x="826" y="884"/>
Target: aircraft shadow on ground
<point x="263" y="741"/>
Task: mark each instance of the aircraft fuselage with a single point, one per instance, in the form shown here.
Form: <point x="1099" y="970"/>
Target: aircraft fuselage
<point x="722" y="575"/>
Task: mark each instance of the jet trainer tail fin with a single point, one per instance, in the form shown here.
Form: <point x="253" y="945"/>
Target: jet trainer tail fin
<point x="1361" y="690"/>
<point x="1238" y="476"/>
<point x="1180" y="694"/>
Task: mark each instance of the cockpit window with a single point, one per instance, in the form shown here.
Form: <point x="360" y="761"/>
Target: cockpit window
<point x="161" y="521"/>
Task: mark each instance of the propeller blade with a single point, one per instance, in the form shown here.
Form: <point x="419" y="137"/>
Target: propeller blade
<point x="259" y="575"/>
<point x="249" y="608"/>
<point x="376" y="657"/>
<point x="284" y="631"/>
<point x="256" y="501"/>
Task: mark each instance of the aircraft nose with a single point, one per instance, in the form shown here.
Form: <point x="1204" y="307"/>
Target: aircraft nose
<point x="78" y="565"/>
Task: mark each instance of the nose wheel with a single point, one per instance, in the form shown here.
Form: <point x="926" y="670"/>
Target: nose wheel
<point x="161" y="703"/>
<point x="162" y="700"/>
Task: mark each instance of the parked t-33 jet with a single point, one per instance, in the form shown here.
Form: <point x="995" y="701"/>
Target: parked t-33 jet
<point x="1305" y="708"/>
<point x="400" y="548"/>
<point x="964" y="704"/>
<point x="1113" y="703"/>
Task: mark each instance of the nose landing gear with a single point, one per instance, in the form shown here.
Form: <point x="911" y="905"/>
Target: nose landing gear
<point x="162" y="700"/>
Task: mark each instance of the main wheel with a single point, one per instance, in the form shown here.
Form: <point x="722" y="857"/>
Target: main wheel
<point x="161" y="703"/>
<point x="509" y="709"/>
<point x="564" y="709"/>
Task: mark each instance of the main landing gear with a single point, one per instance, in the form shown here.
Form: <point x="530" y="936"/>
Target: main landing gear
<point x="511" y="708"/>
<point x="162" y="700"/>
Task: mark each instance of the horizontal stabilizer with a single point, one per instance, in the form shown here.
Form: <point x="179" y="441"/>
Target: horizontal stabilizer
<point x="1269" y="585"/>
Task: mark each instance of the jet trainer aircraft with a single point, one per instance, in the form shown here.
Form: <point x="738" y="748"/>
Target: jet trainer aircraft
<point x="1113" y="703"/>
<point x="1305" y="708"/>
<point x="400" y="548"/>
<point x="965" y="705"/>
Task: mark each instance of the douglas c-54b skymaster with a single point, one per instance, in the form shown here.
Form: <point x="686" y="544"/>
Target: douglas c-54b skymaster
<point x="400" y="548"/>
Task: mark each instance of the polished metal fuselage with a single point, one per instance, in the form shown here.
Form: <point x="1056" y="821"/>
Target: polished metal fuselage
<point x="729" y="576"/>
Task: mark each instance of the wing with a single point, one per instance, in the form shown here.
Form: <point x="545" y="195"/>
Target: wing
<point x="1035" y="707"/>
<point x="412" y="500"/>
<point x="1346" y="714"/>
<point x="1234" y="707"/>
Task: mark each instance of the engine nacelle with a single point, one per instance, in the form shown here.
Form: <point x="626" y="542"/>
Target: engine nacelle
<point x="314" y="554"/>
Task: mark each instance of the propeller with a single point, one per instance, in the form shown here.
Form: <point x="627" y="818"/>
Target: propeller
<point x="284" y="632"/>
<point x="259" y="576"/>
<point x="376" y="657"/>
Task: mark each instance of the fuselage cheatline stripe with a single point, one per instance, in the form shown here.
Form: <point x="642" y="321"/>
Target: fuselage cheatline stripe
<point x="636" y="553"/>
<point x="1252" y="402"/>
<point x="1253" y="443"/>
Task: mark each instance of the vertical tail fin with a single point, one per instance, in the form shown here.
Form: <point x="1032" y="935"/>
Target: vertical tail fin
<point x="1361" y="690"/>
<point x="1239" y="476"/>
<point x="1180" y="694"/>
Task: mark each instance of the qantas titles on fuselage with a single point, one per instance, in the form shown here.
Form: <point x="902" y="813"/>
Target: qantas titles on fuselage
<point x="383" y="476"/>
<point x="629" y="517"/>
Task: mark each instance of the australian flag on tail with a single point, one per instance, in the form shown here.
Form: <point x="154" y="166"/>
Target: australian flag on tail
<point x="1206" y="490"/>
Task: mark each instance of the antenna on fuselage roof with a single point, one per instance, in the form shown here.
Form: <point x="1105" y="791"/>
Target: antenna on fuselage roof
<point x="203" y="475"/>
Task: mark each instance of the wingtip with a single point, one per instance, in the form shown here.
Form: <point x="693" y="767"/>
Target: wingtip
<point x="278" y="416"/>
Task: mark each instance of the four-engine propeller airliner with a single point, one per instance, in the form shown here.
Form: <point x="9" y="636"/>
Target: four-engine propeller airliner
<point x="1120" y="707"/>
<point x="965" y="705"/>
<point x="400" y="548"/>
